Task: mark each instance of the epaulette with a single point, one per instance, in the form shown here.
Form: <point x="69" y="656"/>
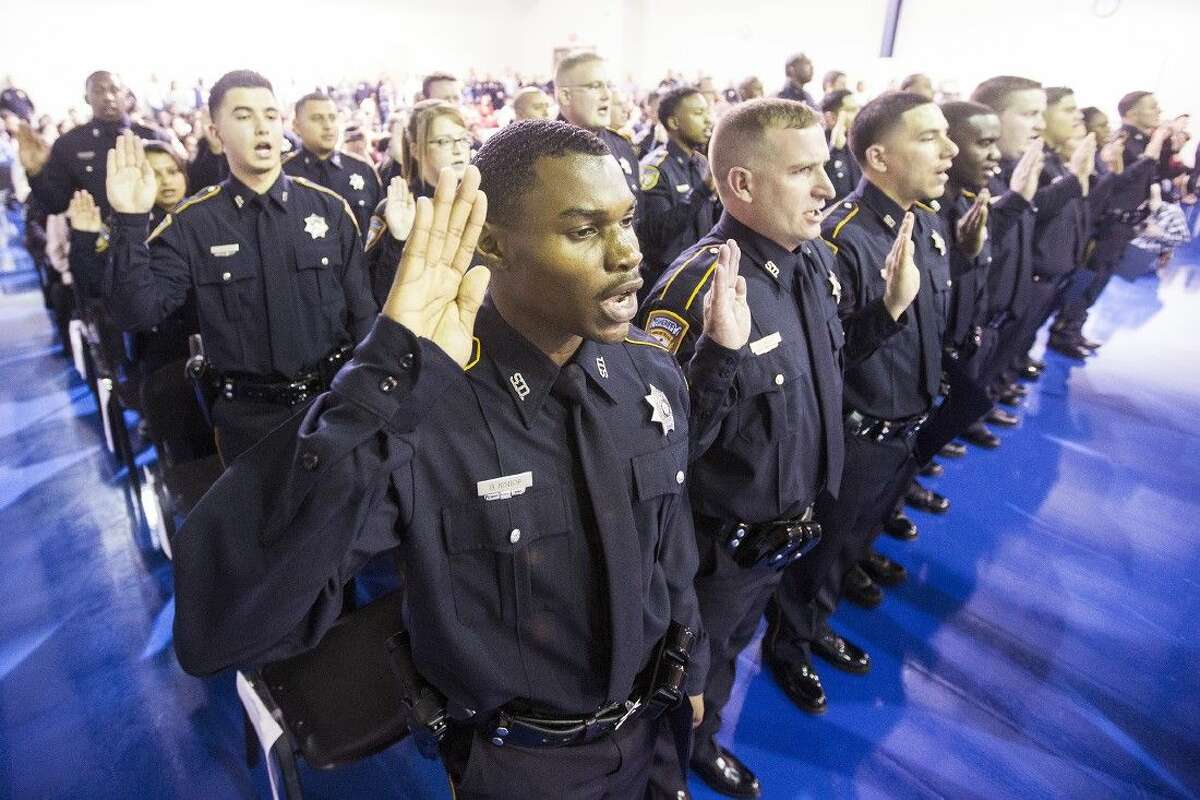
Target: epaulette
<point x="712" y="251"/>
<point x="289" y="156"/>
<point x="206" y="193"/>
<point x="933" y="206"/>
<point x="626" y="136"/>
<point x="851" y="212"/>
<point x="306" y="182"/>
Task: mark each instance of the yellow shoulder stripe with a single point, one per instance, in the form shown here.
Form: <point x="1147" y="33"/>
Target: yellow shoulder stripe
<point x="375" y="232"/>
<point x="924" y="207"/>
<point x="831" y="245"/>
<point x="162" y="226"/>
<point x="331" y="193"/>
<point x="655" y="344"/>
<point x="968" y="195"/>
<point x="476" y="352"/>
<point x="707" y="274"/>
<point x="679" y="272"/>
<point x="838" y="228"/>
<point x="206" y="193"/>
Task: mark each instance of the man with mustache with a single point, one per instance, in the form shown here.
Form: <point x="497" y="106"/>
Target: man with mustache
<point x="900" y="140"/>
<point x="273" y="265"/>
<point x="525" y="455"/>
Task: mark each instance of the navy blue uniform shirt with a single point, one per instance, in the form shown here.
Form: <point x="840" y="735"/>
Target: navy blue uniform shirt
<point x="1060" y="232"/>
<point x="474" y="475"/>
<point x="275" y="289"/>
<point x="968" y="296"/>
<point x="842" y="169"/>
<point x="352" y="178"/>
<point x="677" y="207"/>
<point x="1011" y="222"/>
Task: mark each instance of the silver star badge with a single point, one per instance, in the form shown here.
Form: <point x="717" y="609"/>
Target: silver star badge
<point x="316" y="226"/>
<point x="939" y="242"/>
<point x="356" y="182"/>
<point x="660" y="408"/>
<point x="835" y="287"/>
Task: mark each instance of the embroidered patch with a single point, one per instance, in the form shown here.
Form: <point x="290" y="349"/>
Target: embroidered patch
<point x="650" y="177"/>
<point x="668" y="328"/>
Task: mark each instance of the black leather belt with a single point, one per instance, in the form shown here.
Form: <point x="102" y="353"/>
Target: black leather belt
<point x="285" y="393"/>
<point x="774" y="544"/>
<point x="882" y="430"/>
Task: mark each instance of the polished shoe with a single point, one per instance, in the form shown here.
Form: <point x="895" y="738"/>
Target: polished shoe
<point x="1090" y="344"/>
<point x="924" y="499"/>
<point x="898" y="526"/>
<point x="998" y="416"/>
<point x="1069" y="348"/>
<point x="858" y="588"/>
<point x="801" y="683"/>
<point x="954" y="450"/>
<point x="978" y="434"/>
<point x="842" y="654"/>
<point x="883" y="570"/>
<point x="726" y="775"/>
<point x="933" y="470"/>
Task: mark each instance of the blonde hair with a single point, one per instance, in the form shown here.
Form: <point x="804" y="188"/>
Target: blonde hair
<point x="416" y="136"/>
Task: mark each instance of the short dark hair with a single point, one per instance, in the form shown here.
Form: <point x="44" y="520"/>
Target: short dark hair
<point x="994" y="92"/>
<point x="433" y="78"/>
<point x="957" y="112"/>
<point x="164" y="149"/>
<point x="1056" y="93"/>
<point x="909" y="80"/>
<point x="1089" y="114"/>
<point x="1126" y="103"/>
<point x="507" y="161"/>
<point x="832" y="76"/>
<point x="668" y="104"/>
<point x="310" y="97"/>
<point x="832" y="102"/>
<point x="95" y="76"/>
<point x="878" y="118"/>
<point x="238" y="79"/>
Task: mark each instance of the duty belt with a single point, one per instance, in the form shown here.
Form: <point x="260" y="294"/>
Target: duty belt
<point x="774" y="544"/>
<point x="301" y="389"/>
<point x="882" y="430"/>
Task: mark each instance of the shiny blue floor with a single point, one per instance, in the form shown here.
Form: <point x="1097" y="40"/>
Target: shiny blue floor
<point x="1045" y="646"/>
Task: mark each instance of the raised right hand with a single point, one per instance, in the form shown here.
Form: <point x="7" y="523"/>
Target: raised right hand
<point x="1157" y="140"/>
<point x="400" y="209"/>
<point x="130" y="183"/>
<point x="837" y="134"/>
<point x="83" y="213"/>
<point x="900" y="271"/>
<point x="1025" y="175"/>
<point x="31" y="149"/>
<point x="434" y="294"/>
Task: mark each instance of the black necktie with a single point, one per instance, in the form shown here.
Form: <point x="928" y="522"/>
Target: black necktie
<point x="619" y="541"/>
<point x="807" y="285"/>
<point x="279" y="291"/>
<point x="927" y="316"/>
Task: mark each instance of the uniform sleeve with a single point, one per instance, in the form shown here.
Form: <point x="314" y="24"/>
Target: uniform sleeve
<point x="710" y="375"/>
<point x="361" y="307"/>
<point x="261" y="561"/>
<point x="87" y="265"/>
<point x="148" y="280"/>
<point x="865" y="322"/>
<point x="1054" y="196"/>
<point x="661" y="221"/>
<point x="1006" y="212"/>
<point x="382" y="257"/>
<point x="52" y="186"/>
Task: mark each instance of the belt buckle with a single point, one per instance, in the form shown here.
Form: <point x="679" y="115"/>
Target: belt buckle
<point x="885" y="427"/>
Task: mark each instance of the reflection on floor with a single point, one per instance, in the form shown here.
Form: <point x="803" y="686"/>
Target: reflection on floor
<point x="1046" y="644"/>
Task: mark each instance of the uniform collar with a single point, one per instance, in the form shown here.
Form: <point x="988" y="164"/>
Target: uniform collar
<point x="875" y="199"/>
<point x="240" y="195"/>
<point x="310" y="157"/>
<point x="1134" y="133"/>
<point x="676" y="152"/>
<point x="526" y="373"/>
<point x="768" y="256"/>
<point x="112" y="126"/>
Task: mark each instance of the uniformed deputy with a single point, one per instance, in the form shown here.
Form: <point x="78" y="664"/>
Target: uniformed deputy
<point x="530" y="102"/>
<point x="319" y="160"/>
<point x="798" y="72"/>
<point x="528" y="463"/>
<point x="273" y="263"/>
<point x="434" y="138"/>
<point x="839" y="108"/>
<point x="584" y="93"/>
<point x="900" y="141"/>
<point x="780" y="447"/>
<point x="76" y="161"/>
<point x="678" y="190"/>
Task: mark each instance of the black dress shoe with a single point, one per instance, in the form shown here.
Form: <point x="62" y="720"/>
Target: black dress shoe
<point x="858" y="588"/>
<point x="900" y="527"/>
<point x="1090" y="344"/>
<point x="924" y="499"/>
<point x="979" y="434"/>
<point x="1069" y="348"/>
<point x="933" y="470"/>
<point x="800" y="683"/>
<point x="954" y="450"/>
<point x="842" y="654"/>
<point x="725" y="774"/>
<point x="883" y="570"/>
<point x="998" y="416"/>
<point x="1030" y="372"/>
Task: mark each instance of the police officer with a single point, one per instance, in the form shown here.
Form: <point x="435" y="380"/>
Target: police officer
<point x="76" y="161"/>
<point x="678" y="190"/>
<point x="780" y="447"/>
<point x="273" y="263"/>
<point x="799" y="73"/>
<point x="527" y="458"/>
<point x="319" y="160"/>
<point x="530" y="102"/>
<point x="584" y="94"/>
<point x="882" y="228"/>
<point x="838" y="108"/>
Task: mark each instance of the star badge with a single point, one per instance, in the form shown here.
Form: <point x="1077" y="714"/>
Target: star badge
<point x="939" y="242"/>
<point x="835" y="287"/>
<point x="660" y="408"/>
<point x="316" y="226"/>
<point x="356" y="182"/>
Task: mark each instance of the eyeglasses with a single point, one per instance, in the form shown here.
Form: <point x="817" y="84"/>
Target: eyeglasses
<point x="446" y="142"/>
<point x="594" y="86"/>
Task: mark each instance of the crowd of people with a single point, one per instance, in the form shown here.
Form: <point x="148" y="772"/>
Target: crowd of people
<point x="613" y="373"/>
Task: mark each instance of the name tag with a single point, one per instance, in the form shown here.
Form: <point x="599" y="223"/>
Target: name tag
<point x="86" y="155"/>
<point x="766" y="344"/>
<point x="683" y="187"/>
<point x="505" y="487"/>
<point x="222" y="250"/>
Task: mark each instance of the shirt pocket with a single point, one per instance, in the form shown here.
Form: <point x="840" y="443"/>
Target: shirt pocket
<point x="509" y="557"/>
<point x="227" y="284"/>
<point x="658" y="480"/>
<point x="765" y="385"/>
<point x="319" y="267"/>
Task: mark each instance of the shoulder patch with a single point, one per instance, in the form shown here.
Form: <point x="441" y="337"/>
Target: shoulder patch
<point x="667" y="328"/>
<point x="650" y="176"/>
<point x="309" y="184"/>
<point x="102" y="240"/>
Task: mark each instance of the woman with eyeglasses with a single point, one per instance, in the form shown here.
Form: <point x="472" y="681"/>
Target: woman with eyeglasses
<point x="435" y="137"/>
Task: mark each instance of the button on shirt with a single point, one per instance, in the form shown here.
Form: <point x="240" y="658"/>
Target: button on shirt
<point x="473" y="476"/>
<point x="781" y="442"/>
<point x="901" y="378"/>
<point x="677" y="206"/>
<point x="353" y="179"/>
<point x="278" y="279"/>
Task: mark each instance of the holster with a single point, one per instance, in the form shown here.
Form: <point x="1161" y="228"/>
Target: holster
<point x="428" y="718"/>
<point x="773" y="544"/>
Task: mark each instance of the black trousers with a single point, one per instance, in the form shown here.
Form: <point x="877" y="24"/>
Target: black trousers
<point x="1048" y="293"/>
<point x="239" y="424"/>
<point x="809" y="590"/>
<point x="616" y="767"/>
